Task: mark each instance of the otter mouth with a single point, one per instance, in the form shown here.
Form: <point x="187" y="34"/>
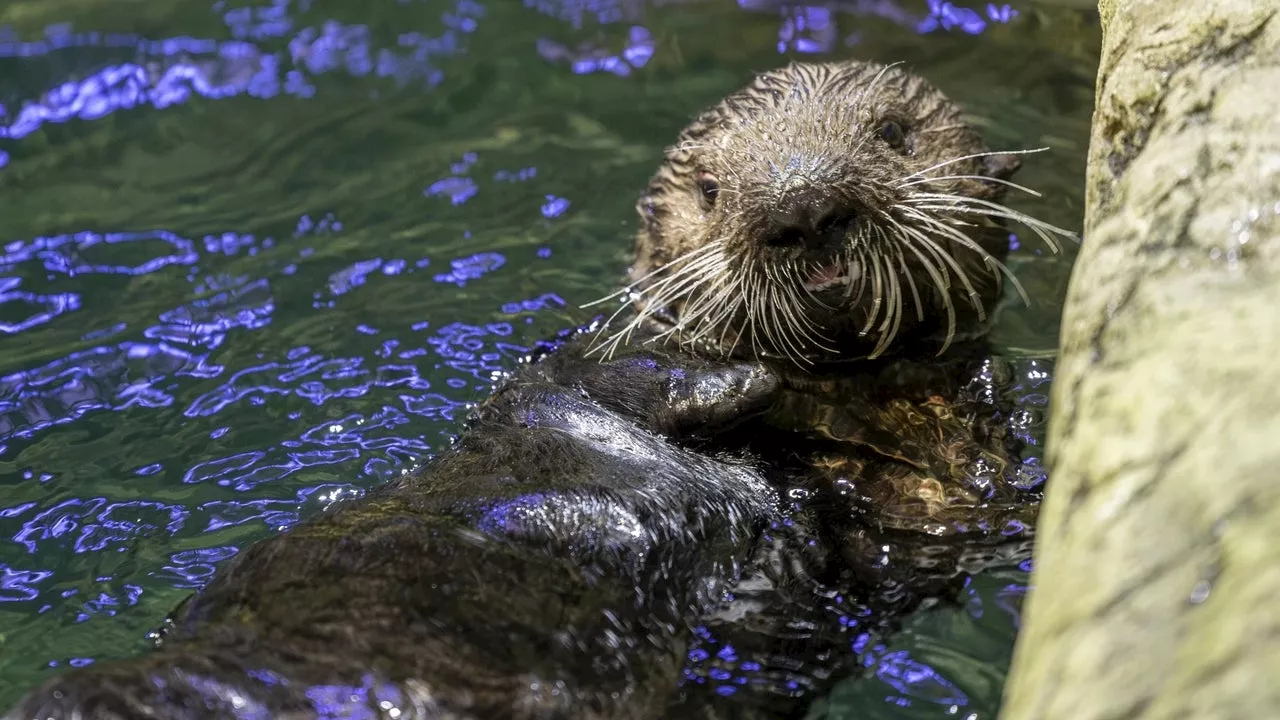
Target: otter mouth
<point x="833" y="275"/>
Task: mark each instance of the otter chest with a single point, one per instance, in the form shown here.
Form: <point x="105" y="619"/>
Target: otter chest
<point x="910" y="447"/>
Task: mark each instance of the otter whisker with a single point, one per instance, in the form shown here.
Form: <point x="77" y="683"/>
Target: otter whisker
<point x="945" y="264"/>
<point x="788" y="347"/>
<point x="660" y="294"/>
<point x="971" y="293"/>
<point x="703" y="298"/>
<point x="936" y="275"/>
<point x="806" y="330"/>
<point x="877" y="293"/>
<point x="911" y="284"/>
<point x="895" y="288"/>
<point x="698" y="311"/>
<point x="787" y="337"/>
<point x="679" y="265"/>
<point x="741" y="304"/>
<point x="893" y="312"/>
<point x="896" y="252"/>
<point x="663" y="291"/>
<point x="616" y="338"/>
<point x="950" y="232"/>
<point x="811" y="270"/>
<point x="972" y="204"/>
<point x="971" y="156"/>
<point x="707" y="322"/>
<point x="799" y="338"/>
<point x="628" y="289"/>
<point x="724" y="319"/>
<point x="748" y="306"/>
<point x="727" y="299"/>
<point x="753" y="312"/>
<point x="858" y="285"/>
<point x="898" y="303"/>
<point x="692" y="286"/>
<point x="975" y="206"/>
<point x="768" y="316"/>
<point x="793" y="303"/>
<point x="983" y="178"/>
<point x="992" y="263"/>
<point x="883" y="326"/>
<point x="692" y="325"/>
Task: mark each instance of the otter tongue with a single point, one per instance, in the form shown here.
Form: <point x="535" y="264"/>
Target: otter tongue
<point x="824" y="275"/>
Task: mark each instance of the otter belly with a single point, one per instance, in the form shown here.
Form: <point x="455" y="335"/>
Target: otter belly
<point x="909" y="455"/>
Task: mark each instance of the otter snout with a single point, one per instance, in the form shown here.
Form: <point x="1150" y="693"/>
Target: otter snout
<point x="811" y="219"/>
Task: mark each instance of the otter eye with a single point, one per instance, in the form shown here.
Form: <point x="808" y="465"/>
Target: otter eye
<point x="891" y="132"/>
<point x="708" y="187"/>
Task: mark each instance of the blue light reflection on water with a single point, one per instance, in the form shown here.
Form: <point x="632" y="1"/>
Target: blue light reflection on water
<point x="125" y="368"/>
<point x="806" y="29"/>
<point x="179" y="68"/>
<point x="120" y="376"/>
<point x="716" y="663"/>
<point x="240" y="67"/>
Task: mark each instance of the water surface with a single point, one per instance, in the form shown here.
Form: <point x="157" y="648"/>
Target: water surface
<point x="258" y="257"/>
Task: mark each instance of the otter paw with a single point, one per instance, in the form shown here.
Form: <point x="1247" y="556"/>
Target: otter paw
<point x="667" y="391"/>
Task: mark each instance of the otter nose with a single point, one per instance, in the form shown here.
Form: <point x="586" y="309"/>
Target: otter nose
<point x="806" y="220"/>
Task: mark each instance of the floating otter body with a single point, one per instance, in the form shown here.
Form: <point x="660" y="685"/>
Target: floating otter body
<point x="555" y="561"/>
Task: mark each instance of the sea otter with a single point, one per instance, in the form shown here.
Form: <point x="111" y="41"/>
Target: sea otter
<point x="596" y="514"/>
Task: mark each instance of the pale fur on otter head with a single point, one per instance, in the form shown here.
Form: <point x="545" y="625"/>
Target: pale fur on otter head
<point x="821" y="213"/>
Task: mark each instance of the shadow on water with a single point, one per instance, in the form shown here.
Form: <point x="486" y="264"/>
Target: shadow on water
<point x="258" y="257"/>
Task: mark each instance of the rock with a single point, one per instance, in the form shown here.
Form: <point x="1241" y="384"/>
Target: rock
<point x="1156" y="577"/>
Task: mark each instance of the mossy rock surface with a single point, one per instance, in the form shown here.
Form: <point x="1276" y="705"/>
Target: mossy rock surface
<point x="1156" y="579"/>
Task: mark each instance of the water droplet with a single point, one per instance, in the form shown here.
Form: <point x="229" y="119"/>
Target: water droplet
<point x="1200" y="592"/>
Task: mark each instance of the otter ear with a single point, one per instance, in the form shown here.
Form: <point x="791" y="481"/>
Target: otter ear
<point x="1001" y="167"/>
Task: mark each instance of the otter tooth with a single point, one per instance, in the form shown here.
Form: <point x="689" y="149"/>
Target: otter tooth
<point x="844" y="279"/>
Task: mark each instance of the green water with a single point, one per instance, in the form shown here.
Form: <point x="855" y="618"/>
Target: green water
<point x="254" y="258"/>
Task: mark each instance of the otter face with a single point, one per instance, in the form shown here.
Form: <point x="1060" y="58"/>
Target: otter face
<point x="823" y="212"/>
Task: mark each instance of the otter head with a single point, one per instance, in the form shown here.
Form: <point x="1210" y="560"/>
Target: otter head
<point x="824" y="212"/>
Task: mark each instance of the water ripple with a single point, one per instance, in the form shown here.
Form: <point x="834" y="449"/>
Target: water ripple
<point x="185" y="67"/>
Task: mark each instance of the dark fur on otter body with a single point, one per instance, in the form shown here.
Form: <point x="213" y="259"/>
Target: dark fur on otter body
<point x="553" y="563"/>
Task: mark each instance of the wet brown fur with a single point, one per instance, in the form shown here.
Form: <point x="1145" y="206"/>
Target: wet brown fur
<point x="814" y="128"/>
